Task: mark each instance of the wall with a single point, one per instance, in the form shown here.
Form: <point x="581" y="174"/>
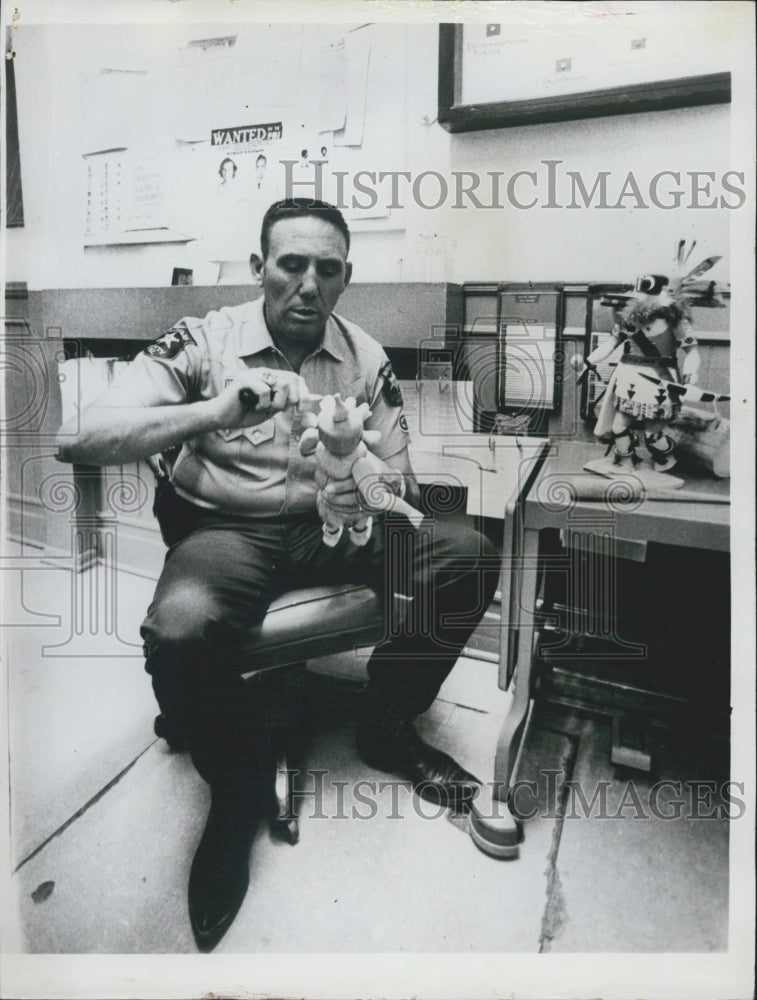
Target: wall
<point x="49" y="253"/>
<point x="444" y="244"/>
<point x="595" y="244"/>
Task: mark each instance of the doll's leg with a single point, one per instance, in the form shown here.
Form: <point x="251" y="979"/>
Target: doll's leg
<point x="331" y="534"/>
<point x="623" y="441"/>
<point x="659" y="445"/>
<point x="360" y="531"/>
<point x="332" y="524"/>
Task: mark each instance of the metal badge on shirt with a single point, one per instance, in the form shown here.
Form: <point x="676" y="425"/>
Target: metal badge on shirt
<point x="169" y="344"/>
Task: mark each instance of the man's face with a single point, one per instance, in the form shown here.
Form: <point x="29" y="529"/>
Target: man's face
<point x="303" y="275"/>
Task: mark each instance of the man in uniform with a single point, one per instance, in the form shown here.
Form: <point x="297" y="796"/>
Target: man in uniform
<point x="245" y="505"/>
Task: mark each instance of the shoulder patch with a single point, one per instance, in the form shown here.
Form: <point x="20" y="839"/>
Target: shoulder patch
<point x="390" y="390"/>
<point x="169" y="344"/>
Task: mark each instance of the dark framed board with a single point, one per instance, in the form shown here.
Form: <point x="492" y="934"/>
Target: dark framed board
<point x="503" y="75"/>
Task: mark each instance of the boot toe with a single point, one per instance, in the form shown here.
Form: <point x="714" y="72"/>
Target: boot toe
<point x="215" y="898"/>
<point x="219" y="877"/>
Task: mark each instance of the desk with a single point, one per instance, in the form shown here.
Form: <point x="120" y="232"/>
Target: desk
<point x="495" y="477"/>
<point x="547" y="504"/>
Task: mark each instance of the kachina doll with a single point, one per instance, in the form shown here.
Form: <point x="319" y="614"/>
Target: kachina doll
<point x="659" y="358"/>
<point x="338" y="438"/>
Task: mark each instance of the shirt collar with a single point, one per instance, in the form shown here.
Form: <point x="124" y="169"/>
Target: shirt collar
<point x="333" y="340"/>
<point x="255" y="336"/>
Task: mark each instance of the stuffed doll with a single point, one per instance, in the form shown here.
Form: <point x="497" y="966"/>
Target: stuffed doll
<point x="645" y="390"/>
<point x="337" y="437"/>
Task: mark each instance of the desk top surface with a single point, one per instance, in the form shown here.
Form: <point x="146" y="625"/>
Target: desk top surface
<point x="694" y="525"/>
<point x="494" y="479"/>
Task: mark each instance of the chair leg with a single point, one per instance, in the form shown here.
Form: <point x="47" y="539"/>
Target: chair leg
<point x="284" y="823"/>
<point x="281" y="692"/>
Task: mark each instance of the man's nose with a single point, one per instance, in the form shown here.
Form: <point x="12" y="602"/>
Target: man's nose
<point x="309" y="283"/>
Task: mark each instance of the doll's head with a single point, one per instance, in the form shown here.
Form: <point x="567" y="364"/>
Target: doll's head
<point x="653" y="304"/>
<point x="647" y="311"/>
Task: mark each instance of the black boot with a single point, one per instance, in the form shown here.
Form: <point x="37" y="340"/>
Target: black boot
<point x="219" y="877"/>
<point x="389" y="742"/>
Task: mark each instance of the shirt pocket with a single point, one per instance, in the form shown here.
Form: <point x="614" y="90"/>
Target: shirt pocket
<point x="260" y="433"/>
<point x="256" y="435"/>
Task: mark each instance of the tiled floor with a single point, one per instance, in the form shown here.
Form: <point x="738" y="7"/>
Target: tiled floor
<point x="105" y="819"/>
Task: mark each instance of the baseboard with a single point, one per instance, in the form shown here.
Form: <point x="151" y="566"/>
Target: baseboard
<point x="26" y="522"/>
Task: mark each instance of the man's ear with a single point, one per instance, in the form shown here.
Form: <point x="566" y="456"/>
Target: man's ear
<point x="256" y="267"/>
<point x="347" y="273"/>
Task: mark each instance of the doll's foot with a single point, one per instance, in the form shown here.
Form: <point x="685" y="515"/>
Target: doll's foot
<point x="360" y="534"/>
<point x="623" y="452"/>
<point x="331" y="535"/>
<point x="660" y="448"/>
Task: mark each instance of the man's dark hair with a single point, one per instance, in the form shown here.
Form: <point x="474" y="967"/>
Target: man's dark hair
<point x="298" y="208"/>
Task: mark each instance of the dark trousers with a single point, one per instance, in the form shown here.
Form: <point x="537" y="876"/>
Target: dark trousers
<point x="220" y="578"/>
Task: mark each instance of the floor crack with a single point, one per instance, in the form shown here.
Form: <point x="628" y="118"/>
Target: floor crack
<point x="80" y="812"/>
<point x="554" y="916"/>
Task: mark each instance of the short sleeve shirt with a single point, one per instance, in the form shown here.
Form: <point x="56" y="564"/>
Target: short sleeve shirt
<point x="258" y="471"/>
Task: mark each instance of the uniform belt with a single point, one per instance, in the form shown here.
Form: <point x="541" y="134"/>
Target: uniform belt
<point x="215" y="513"/>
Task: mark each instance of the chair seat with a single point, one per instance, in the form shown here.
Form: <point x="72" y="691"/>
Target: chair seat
<point x="314" y="621"/>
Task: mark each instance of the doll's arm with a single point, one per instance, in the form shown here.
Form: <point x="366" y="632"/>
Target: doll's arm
<point x="600" y="353"/>
<point x="376" y="483"/>
<point x="692" y="357"/>
<point x="692" y="361"/>
<point x="603" y="351"/>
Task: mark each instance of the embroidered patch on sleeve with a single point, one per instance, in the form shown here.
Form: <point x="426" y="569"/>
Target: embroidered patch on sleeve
<point x="169" y="344"/>
<point x="390" y="390"/>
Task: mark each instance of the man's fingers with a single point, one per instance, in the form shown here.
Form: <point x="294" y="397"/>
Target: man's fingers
<point x="284" y="389"/>
<point x="337" y="487"/>
<point x="280" y="400"/>
<point x="345" y="503"/>
<point x="262" y="394"/>
<point x="334" y="487"/>
<point x="338" y="494"/>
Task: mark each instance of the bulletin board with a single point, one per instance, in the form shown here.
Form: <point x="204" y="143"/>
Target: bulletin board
<point x="516" y="73"/>
<point x="191" y="145"/>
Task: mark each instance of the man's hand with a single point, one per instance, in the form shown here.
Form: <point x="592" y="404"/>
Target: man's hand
<point x="276" y="391"/>
<point x="351" y="496"/>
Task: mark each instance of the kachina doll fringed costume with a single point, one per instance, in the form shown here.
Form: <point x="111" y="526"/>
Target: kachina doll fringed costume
<point x="652" y="326"/>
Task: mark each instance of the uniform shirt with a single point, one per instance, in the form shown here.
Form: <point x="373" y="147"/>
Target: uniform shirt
<point x="258" y="470"/>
